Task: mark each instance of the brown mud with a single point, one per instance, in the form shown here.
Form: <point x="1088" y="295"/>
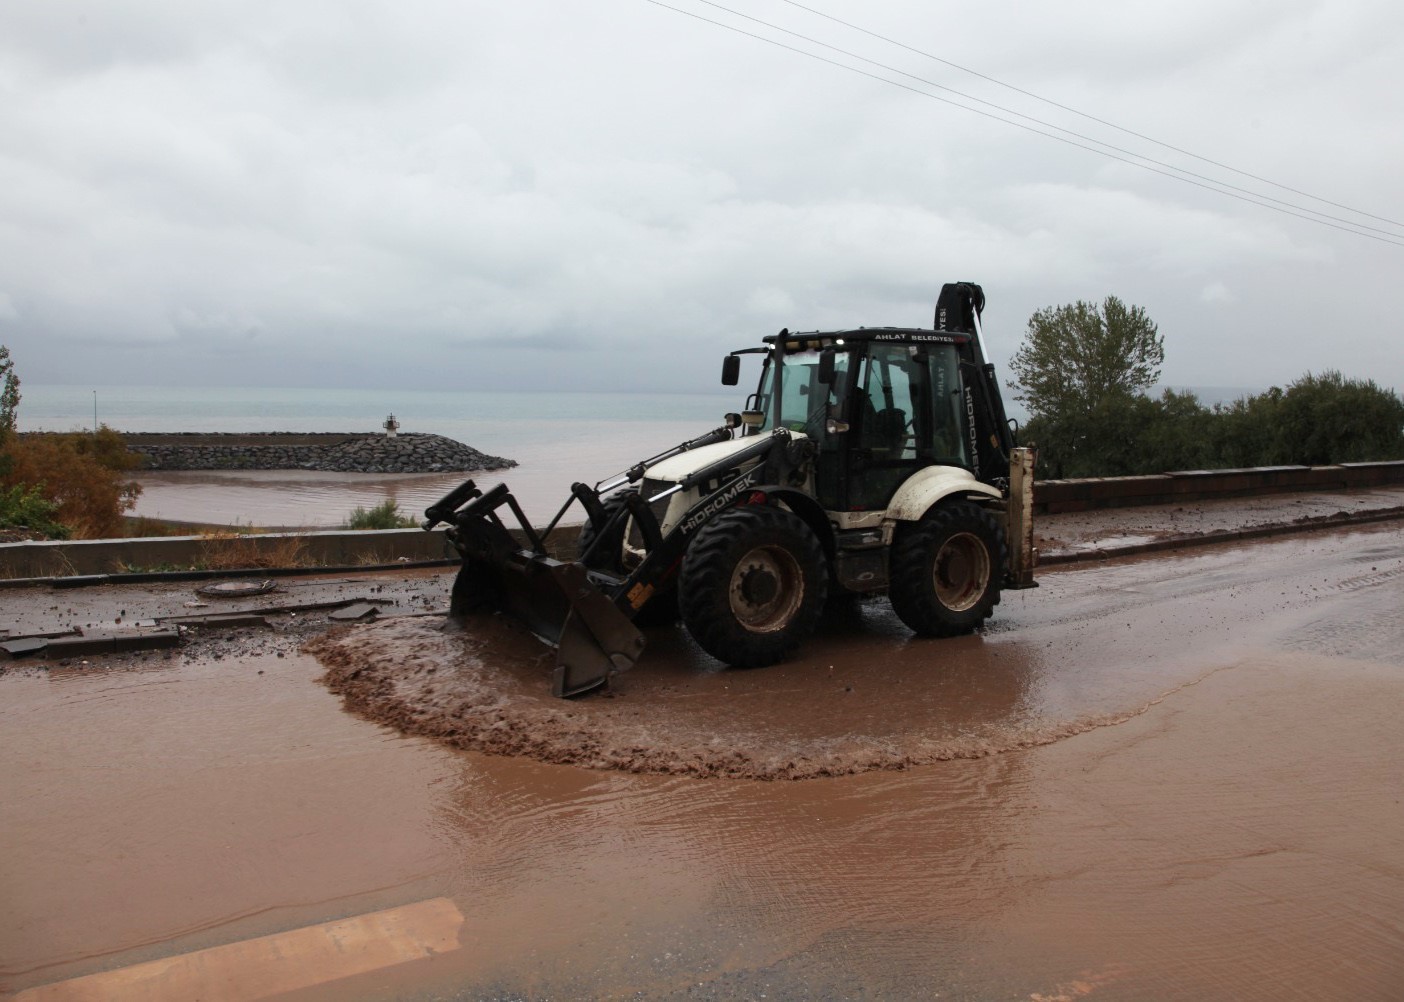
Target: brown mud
<point x="1088" y="532"/>
<point x="484" y="688"/>
<point x="1231" y="833"/>
<point x="863" y="696"/>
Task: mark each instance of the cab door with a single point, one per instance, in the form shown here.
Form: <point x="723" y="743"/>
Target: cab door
<point x="882" y="442"/>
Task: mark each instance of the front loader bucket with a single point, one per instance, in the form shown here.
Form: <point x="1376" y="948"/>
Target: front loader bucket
<point x="557" y="602"/>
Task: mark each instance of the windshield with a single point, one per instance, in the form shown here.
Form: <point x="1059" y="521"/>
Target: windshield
<point x="805" y="403"/>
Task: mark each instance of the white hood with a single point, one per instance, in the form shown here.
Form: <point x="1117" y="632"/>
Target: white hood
<point x="675" y="469"/>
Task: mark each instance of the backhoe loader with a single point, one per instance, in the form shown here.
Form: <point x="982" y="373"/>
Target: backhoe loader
<point x="866" y="461"/>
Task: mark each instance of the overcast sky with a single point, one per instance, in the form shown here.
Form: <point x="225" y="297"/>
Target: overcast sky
<point x="610" y="195"/>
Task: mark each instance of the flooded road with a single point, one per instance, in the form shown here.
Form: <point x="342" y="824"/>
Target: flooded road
<point x="1169" y="778"/>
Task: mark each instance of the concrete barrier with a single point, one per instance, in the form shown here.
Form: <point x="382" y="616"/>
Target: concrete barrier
<point x="341" y="548"/>
<point x="1052" y="496"/>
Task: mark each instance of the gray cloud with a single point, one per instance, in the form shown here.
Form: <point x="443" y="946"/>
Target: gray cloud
<point x="362" y="194"/>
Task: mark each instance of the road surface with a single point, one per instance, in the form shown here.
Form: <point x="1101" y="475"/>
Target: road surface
<point x="1177" y="777"/>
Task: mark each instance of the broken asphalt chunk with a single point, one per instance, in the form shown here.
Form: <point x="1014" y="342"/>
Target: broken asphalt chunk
<point x="357" y="610"/>
<point x="114" y="643"/>
<point x="25" y="646"/>
<point x="218" y="619"/>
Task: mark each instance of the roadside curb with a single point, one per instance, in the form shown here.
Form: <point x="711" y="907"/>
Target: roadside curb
<point x="160" y="577"/>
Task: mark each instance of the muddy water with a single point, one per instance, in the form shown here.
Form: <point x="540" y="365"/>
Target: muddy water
<point x="1221" y="820"/>
<point x="592" y="450"/>
<point x="1085" y="651"/>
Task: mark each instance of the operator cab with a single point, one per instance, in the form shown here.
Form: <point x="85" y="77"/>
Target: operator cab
<point x="879" y="404"/>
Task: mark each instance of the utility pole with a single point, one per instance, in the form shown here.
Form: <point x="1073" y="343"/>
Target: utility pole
<point x="95" y="426"/>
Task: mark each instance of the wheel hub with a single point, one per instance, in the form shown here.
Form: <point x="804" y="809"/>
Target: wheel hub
<point x="962" y="572"/>
<point x="767" y="589"/>
<point x="758" y="585"/>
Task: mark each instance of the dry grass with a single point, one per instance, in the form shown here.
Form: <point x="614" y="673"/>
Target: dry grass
<point x="227" y="551"/>
<point x="141" y="527"/>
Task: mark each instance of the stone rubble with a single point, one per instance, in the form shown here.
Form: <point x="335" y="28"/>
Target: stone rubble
<point x="413" y="452"/>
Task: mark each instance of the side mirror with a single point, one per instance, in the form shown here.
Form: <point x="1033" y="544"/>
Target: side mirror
<point x="826" y="367"/>
<point x="731" y="370"/>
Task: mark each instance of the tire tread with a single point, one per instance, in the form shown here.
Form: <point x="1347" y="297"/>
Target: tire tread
<point x="911" y="591"/>
<point x="706" y="579"/>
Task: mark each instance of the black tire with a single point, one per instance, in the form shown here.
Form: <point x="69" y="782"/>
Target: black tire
<point x="662" y="608"/>
<point x="946" y="571"/>
<point x="609" y="555"/>
<point x="752" y="585"/>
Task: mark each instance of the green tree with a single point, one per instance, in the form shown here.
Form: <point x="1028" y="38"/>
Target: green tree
<point x="9" y="395"/>
<point x="1074" y="357"/>
<point x="1080" y="370"/>
<point x="9" y="404"/>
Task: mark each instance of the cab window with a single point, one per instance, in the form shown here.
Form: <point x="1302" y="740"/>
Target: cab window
<point x="805" y="403"/>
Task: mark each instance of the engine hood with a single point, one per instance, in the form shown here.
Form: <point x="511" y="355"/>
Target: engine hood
<point x="680" y="466"/>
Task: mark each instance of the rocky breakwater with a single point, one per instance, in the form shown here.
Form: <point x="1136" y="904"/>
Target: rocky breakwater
<point x="412" y="452"/>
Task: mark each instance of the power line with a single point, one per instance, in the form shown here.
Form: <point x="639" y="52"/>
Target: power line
<point x="1050" y="125"/>
<point x="1144" y="163"/>
<point x="1083" y="114"/>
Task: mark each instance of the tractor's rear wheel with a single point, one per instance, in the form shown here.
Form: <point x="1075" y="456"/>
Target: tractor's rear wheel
<point x="608" y="556"/>
<point x="946" y="571"/>
<point x="752" y="585"/>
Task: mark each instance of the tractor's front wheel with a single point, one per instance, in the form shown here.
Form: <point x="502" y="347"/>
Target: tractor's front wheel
<point x="752" y="585"/>
<point x="946" y="571"/>
<point x="608" y="556"/>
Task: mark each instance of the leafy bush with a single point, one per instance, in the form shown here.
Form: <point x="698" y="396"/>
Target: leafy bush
<point x="386" y="515"/>
<point x="1330" y="419"/>
<point x="24" y="507"/>
<point x="61" y="485"/>
<point x="79" y="473"/>
<point x="1317" y="420"/>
